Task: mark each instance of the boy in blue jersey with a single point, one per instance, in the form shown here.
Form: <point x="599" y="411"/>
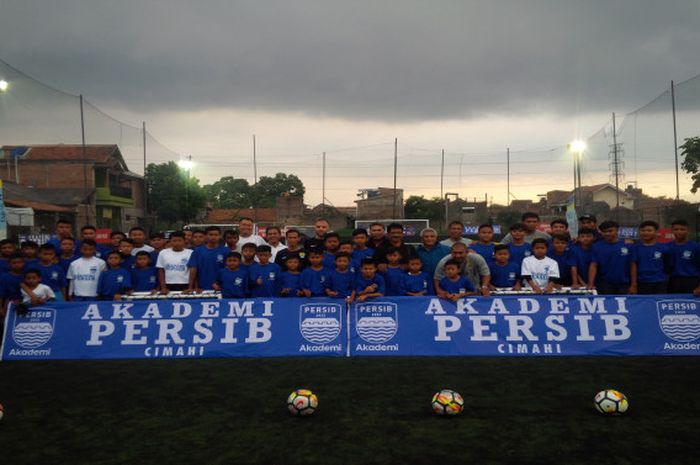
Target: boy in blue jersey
<point x="346" y="248"/>
<point x="653" y="261"/>
<point x="580" y="257"/>
<point x="341" y="281"/>
<point x="126" y="246"/>
<point x="331" y="242"/>
<point x="67" y="253"/>
<point x="30" y="252"/>
<point x="89" y="232"/>
<point x="559" y="226"/>
<point x="290" y="279"/>
<point x="51" y="272"/>
<point x="394" y="272"/>
<point x="115" y="280"/>
<point x="8" y="248"/>
<point x="368" y="284"/>
<point x="416" y="282"/>
<point x="115" y="237"/>
<point x="10" y="282"/>
<point x="518" y="247"/>
<point x="233" y="279"/>
<point x="453" y="285"/>
<point x="64" y="230"/>
<point x="143" y="274"/>
<point x="685" y="258"/>
<point x="206" y="261"/>
<point x="360" y="251"/>
<point x="612" y="263"/>
<point x="264" y="274"/>
<point x="248" y="252"/>
<point x="157" y="242"/>
<point x="559" y="252"/>
<point x="314" y="276"/>
<point x="504" y="273"/>
<point x="484" y="246"/>
<point x="231" y="238"/>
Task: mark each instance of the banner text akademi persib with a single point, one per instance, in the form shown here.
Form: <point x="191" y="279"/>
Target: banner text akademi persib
<point x="499" y="326"/>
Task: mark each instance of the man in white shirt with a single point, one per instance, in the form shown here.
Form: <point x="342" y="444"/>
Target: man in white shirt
<point x="173" y="273"/>
<point x="454" y="232"/>
<point x="245" y="234"/>
<point x="273" y="236"/>
<point x="84" y="273"/>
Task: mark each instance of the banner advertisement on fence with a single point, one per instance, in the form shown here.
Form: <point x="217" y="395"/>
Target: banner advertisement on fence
<point x="392" y="326"/>
<point x="177" y="328"/>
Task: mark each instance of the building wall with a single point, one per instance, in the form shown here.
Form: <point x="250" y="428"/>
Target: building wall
<point x="381" y="206"/>
<point x="608" y="196"/>
<point x="42" y="174"/>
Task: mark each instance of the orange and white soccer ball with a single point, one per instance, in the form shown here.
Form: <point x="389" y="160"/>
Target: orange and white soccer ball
<point x="447" y="402"/>
<point x="302" y="402"/>
<point x="611" y="402"/>
<point x="2" y="411"/>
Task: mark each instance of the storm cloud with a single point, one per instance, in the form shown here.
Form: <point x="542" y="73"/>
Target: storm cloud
<point x="362" y="60"/>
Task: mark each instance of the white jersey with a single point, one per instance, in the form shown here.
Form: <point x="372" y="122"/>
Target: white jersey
<point x="254" y="238"/>
<point x="42" y="291"/>
<point x="540" y="270"/>
<point x="175" y="265"/>
<point x="145" y="248"/>
<point x="84" y="273"/>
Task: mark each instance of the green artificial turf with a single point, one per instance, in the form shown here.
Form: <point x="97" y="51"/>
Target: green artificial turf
<point x="372" y="410"/>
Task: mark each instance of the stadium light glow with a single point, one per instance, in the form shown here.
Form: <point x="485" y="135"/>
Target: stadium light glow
<point x="185" y="164"/>
<point x="4" y="85"/>
<point x="578" y="146"/>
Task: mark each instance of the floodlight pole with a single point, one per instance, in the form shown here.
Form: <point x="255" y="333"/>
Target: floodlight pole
<point x="508" y="175"/>
<point x="84" y="154"/>
<point x="617" y="166"/>
<point x="145" y="183"/>
<point x="323" y="186"/>
<point x="255" y="162"/>
<point x="396" y="157"/>
<point x="675" y="139"/>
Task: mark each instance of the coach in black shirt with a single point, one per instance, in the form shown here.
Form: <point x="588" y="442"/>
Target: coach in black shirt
<point x="395" y="239"/>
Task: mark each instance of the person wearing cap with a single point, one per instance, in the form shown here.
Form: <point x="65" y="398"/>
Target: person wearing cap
<point x="589" y="221"/>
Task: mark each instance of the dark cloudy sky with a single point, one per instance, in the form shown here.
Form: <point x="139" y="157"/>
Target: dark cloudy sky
<point x="309" y="76"/>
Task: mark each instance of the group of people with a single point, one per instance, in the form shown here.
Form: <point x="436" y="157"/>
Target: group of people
<point x="374" y="262"/>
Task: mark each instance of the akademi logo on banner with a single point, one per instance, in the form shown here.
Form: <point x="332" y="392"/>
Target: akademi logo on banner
<point x="679" y="320"/>
<point x="376" y="323"/>
<point x="34" y="330"/>
<point x="320" y="323"/>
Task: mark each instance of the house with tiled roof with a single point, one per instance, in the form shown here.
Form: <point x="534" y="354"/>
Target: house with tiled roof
<point x="93" y="182"/>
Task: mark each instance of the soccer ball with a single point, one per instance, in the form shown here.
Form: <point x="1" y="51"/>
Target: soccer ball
<point x="447" y="402"/>
<point x="610" y="402"/>
<point x="302" y="402"/>
<point x="2" y="411"/>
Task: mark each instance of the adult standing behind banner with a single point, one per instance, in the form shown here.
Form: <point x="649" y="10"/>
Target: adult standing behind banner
<point x="472" y="265"/>
<point x="531" y="221"/>
<point x="321" y="227"/>
<point x="245" y="234"/>
<point x="395" y="234"/>
<point x="377" y="236"/>
<point x="273" y="235"/>
<point x="293" y="239"/>
<point x="429" y="251"/>
<point x="454" y="233"/>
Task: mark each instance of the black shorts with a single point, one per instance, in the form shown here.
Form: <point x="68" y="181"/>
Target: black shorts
<point x="682" y="284"/>
<point x="177" y="287"/>
<point x="652" y="288"/>
<point x="612" y="288"/>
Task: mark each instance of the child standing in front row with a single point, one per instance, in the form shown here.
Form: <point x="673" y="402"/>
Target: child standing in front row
<point x="143" y="274"/>
<point x="453" y="285"/>
<point x="538" y="271"/>
<point x="504" y="273"/>
<point x="84" y="273"/>
<point x="233" y="278"/>
<point x="368" y="283"/>
<point x="341" y="281"/>
<point x="394" y="272"/>
<point x="416" y="282"/>
<point x="313" y="278"/>
<point x="290" y="280"/>
<point x="518" y="248"/>
<point x="264" y="275"/>
<point x="116" y="280"/>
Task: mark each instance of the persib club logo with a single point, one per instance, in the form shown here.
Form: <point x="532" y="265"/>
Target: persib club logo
<point x="320" y="323"/>
<point x="679" y="319"/>
<point x="34" y="329"/>
<point x="376" y="322"/>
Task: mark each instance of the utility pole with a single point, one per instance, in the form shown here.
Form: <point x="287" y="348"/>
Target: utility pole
<point x="442" y="174"/>
<point x="508" y="175"/>
<point x="85" y="170"/>
<point x="145" y="184"/>
<point x="616" y="164"/>
<point x="396" y="158"/>
<point x="675" y="140"/>
<point x="323" y="188"/>
<point x="255" y="163"/>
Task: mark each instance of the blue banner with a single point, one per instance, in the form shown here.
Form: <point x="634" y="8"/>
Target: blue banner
<point x="527" y="325"/>
<point x="177" y="328"/>
<point x="497" y="326"/>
